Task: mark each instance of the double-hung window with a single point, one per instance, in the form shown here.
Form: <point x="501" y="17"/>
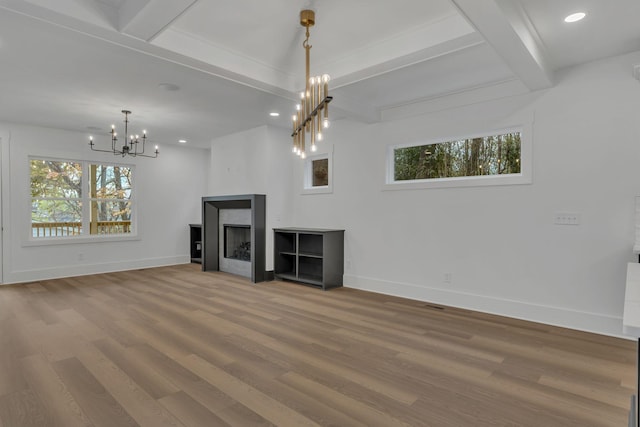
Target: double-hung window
<point x="78" y="198"/>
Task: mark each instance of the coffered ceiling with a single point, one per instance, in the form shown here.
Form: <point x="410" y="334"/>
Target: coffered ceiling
<point x="199" y="69"/>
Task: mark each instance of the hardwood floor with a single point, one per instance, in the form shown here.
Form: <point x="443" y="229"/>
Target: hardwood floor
<point x="174" y="346"/>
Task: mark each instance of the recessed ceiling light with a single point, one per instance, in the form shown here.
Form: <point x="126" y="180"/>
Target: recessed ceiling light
<point x="169" y="87"/>
<point x="274" y="114"/>
<point x="182" y="141"/>
<point x="575" y="17"/>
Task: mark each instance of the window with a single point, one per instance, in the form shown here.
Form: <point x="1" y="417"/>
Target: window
<point x="317" y="174"/>
<point x="66" y="204"/>
<point x="110" y="188"/>
<point x="320" y="173"/>
<point x="479" y="160"/>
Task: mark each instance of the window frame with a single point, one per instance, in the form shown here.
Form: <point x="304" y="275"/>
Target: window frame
<point x="86" y="201"/>
<point x="524" y="177"/>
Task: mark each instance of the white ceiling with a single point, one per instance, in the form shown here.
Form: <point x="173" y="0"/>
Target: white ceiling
<point x="74" y="64"/>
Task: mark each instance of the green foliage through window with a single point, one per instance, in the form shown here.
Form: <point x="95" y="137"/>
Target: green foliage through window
<point x="487" y="155"/>
<point x="64" y="203"/>
<point x="320" y="172"/>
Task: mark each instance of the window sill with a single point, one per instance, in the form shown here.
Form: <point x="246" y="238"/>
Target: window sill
<point x="50" y="241"/>
<point x="326" y="189"/>
<point x="478" y="181"/>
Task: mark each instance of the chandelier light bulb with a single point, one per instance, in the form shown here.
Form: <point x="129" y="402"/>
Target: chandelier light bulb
<point x="319" y="137"/>
<point x="303" y="155"/>
<point x="313" y="147"/>
<point x="325" y="78"/>
<point x="325" y="123"/>
<point x="90" y="138"/>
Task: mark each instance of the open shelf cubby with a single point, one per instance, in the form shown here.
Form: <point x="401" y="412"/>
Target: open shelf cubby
<point x="310" y="256"/>
<point x="195" y="239"/>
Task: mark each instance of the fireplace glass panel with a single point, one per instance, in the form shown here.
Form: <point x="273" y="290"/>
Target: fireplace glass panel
<point x="237" y="242"/>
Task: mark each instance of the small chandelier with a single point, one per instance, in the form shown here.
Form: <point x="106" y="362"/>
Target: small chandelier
<point x="313" y="111"/>
<point x="130" y="146"/>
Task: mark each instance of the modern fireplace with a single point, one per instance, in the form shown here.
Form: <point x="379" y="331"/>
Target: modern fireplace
<point x="237" y="242"/>
<point x="246" y="210"/>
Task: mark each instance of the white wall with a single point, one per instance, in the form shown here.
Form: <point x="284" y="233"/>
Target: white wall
<point x="256" y="162"/>
<point x="168" y="193"/>
<point x="500" y="244"/>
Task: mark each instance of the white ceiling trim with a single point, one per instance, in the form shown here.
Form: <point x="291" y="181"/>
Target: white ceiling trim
<point x="412" y="46"/>
<point x="406" y="47"/>
<point x="109" y="35"/>
<point x="89" y="11"/>
<point x="497" y="90"/>
<point x="203" y="50"/>
<point x="145" y="19"/>
<point x="506" y="27"/>
<point x="434" y="51"/>
<point x="354" y="110"/>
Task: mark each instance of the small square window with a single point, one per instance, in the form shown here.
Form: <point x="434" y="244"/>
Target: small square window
<point x="320" y="173"/>
<point x="317" y="174"/>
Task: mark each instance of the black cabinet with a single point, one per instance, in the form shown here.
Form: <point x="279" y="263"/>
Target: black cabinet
<point x="311" y="256"/>
<point x="195" y="242"/>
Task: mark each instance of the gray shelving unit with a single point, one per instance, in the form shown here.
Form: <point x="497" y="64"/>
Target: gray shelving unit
<point x="311" y="256"/>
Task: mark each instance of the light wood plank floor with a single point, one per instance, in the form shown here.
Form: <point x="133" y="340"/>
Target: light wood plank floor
<point x="174" y="346"/>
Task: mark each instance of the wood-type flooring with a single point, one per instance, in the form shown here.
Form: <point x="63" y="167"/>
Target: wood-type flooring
<point x="175" y="346"/>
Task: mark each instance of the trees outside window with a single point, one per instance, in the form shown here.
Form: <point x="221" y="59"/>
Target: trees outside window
<point x="485" y="155"/>
<point x="110" y="188"/>
<point x="65" y="203"/>
<point x="318" y="174"/>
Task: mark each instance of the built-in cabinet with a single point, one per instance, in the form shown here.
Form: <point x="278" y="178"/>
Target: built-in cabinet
<point x="311" y="256"/>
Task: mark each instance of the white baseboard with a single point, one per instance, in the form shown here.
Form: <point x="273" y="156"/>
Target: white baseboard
<point x="85" y="269"/>
<point x="557" y="316"/>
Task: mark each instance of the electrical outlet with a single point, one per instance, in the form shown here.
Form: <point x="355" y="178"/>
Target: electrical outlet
<point x="567" y="218"/>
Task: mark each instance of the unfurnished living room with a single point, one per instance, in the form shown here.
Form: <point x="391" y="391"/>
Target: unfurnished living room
<point x="319" y="213"/>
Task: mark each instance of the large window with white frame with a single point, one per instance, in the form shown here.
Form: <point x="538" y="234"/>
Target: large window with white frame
<point x="494" y="158"/>
<point x="79" y="198"/>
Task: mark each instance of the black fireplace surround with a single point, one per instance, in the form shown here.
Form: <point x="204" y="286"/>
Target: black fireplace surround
<point x="211" y="206"/>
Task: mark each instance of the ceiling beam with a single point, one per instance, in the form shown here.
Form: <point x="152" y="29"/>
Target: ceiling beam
<point x="508" y="29"/>
<point x="145" y="19"/>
